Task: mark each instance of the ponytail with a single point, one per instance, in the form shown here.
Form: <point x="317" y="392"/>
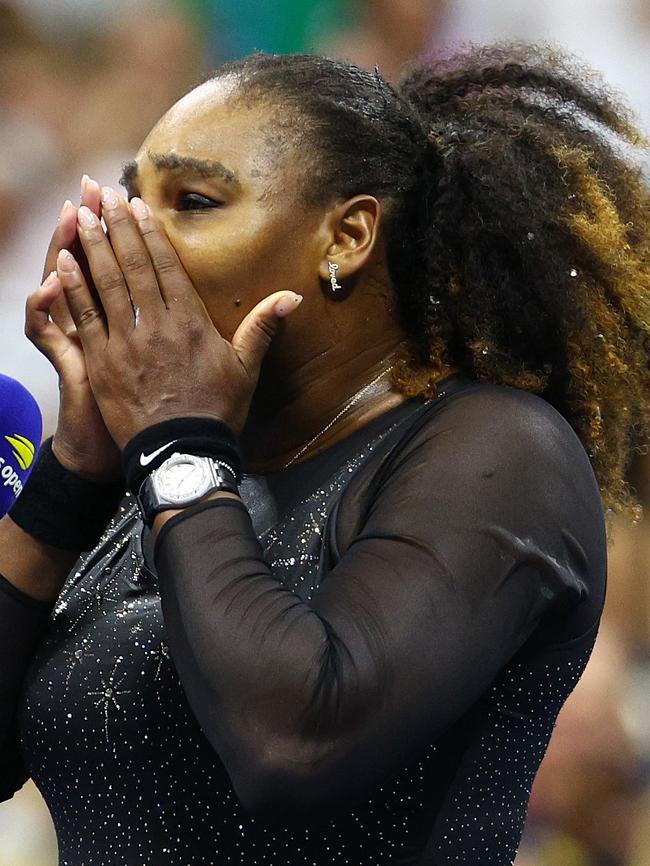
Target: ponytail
<point x="517" y="231"/>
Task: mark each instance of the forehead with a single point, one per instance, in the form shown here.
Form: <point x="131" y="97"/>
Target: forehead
<point x="208" y="124"/>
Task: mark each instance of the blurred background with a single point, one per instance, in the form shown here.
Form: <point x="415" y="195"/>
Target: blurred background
<point x="83" y="81"/>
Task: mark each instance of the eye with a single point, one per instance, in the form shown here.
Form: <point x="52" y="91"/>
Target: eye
<point x="195" y="201"/>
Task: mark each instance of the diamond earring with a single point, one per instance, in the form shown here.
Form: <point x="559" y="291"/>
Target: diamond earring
<point x="333" y="269"/>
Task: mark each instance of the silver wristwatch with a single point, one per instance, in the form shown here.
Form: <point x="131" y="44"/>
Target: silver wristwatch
<point x="182" y="480"/>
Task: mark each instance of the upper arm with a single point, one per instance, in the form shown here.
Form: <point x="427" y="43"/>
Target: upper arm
<point x="481" y="525"/>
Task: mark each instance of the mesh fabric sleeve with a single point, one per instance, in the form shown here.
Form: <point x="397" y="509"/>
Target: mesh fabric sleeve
<point x="22" y="622"/>
<point x="487" y="521"/>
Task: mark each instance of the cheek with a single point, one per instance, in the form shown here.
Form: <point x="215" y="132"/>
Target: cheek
<point x="223" y="270"/>
<point x="242" y="265"/>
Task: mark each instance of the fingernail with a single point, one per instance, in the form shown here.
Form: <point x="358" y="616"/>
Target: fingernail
<point x="84" y="181"/>
<point x="87" y="218"/>
<point x="49" y="279"/>
<point x="287" y="304"/>
<point x="140" y="209"/>
<point x="65" y="261"/>
<point x="66" y="204"/>
<point x="110" y="198"/>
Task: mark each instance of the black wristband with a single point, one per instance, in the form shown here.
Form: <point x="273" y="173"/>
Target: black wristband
<point x="63" y="509"/>
<point x="204" y="437"/>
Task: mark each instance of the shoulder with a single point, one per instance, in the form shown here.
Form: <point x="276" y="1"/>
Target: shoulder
<point x="496" y="420"/>
<point x="493" y="444"/>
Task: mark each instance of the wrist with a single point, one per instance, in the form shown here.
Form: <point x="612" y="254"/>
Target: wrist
<point x="62" y="509"/>
<point x="184" y="479"/>
<point x="205" y="437"/>
<point x="162" y="517"/>
<point x="62" y="454"/>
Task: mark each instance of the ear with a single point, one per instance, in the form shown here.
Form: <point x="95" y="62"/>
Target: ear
<point x="351" y="233"/>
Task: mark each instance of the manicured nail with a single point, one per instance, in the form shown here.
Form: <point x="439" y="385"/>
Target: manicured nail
<point x="65" y="261"/>
<point x="84" y="183"/>
<point x="287" y="304"/>
<point x="87" y="218"/>
<point x="140" y="208"/>
<point x="110" y="198"/>
<point x="66" y="204"/>
<point x="49" y="279"/>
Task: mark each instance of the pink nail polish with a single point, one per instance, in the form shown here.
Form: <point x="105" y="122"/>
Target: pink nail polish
<point x="65" y="261"/>
<point x="140" y="208"/>
<point x="110" y="198"/>
<point x="66" y="204"/>
<point x="87" y="218"/>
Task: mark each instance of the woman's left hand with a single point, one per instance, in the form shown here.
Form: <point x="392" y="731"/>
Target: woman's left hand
<point x="152" y="352"/>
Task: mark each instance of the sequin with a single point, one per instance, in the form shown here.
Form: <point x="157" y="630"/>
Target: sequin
<point x="108" y="735"/>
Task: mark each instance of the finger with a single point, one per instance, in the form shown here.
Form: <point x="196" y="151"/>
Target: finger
<point x="90" y="194"/>
<point x="131" y="254"/>
<point x="253" y="337"/>
<point x="175" y="286"/>
<point x="87" y="316"/>
<point x="62" y="237"/>
<point x="90" y="197"/>
<point x="105" y="271"/>
<point x="48" y="338"/>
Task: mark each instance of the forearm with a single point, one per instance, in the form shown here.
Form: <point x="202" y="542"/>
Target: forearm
<point x="252" y="656"/>
<point x="22" y="618"/>
<point x="35" y="572"/>
<point x="32" y="566"/>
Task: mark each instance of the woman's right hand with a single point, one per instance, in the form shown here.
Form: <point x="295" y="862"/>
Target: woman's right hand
<point x="81" y="442"/>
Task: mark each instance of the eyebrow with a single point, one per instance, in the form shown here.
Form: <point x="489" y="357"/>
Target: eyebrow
<point x="174" y="162"/>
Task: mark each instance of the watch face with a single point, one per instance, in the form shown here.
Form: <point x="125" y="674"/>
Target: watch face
<point x="183" y="480"/>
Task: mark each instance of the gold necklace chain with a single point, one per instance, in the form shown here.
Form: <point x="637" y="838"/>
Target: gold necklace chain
<point x="347" y="406"/>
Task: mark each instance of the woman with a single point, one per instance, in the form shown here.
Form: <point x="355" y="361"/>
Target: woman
<point x="351" y="643"/>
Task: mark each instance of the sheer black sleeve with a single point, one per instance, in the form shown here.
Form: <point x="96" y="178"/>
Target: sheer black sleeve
<point x="22" y="622"/>
<point x="485" y="522"/>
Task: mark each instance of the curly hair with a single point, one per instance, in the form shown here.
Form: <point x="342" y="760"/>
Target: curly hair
<point x="517" y="224"/>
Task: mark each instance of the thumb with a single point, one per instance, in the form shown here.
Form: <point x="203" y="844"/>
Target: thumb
<point x="253" y="337"/>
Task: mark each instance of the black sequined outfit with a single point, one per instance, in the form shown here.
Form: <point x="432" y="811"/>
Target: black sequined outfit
<point x="362" y="666"/>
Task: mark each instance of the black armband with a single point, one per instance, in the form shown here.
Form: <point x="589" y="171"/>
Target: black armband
<point x="203" y="437"/>
<point x="62" y="509"/>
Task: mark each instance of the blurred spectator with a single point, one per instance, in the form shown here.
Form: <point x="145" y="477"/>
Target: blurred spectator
<point x="275" y="26"/>
<point x="612" y="35"/>
<point x="388" y="34"/>
<point x="71" y="105"/>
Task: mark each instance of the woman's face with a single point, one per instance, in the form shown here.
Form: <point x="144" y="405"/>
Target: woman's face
<point x="228" y="198"/>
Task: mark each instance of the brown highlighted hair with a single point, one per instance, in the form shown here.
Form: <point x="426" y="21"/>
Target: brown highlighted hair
<point x="517" y="227"/>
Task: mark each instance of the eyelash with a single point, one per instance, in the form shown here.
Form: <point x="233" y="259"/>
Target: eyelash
<point x="204" y="203"/>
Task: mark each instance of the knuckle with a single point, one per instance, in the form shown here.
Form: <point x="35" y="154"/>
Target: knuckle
<point x="164" y="264"/>
<point x="93" y="237"/>
<point x="135" y="261"/>
<point x="88" y="315"/>
<point x="192" y="326"/>
<point x="266" y="328"/>
<point x="117" y="217"/>
<point x="110" y="281"/>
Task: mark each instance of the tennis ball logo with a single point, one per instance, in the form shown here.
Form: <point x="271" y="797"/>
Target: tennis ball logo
<point x="23" y="450"/>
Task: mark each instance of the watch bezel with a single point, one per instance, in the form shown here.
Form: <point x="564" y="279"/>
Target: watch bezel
<point x="209" y="480"/>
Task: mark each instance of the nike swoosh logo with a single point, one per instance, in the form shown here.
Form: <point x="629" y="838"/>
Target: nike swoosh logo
<point x="146" y="460"/>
